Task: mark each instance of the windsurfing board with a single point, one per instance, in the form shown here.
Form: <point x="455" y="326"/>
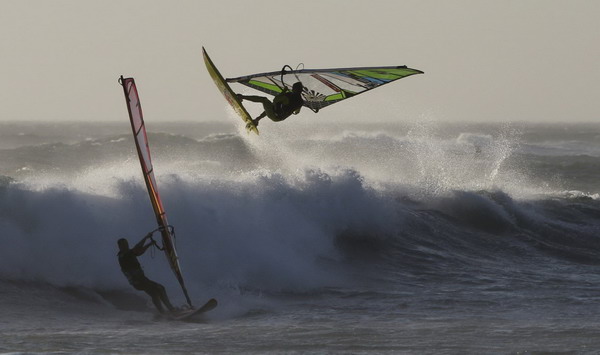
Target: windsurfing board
<point x="183" y="315"/>
<point x="230" y="96"/>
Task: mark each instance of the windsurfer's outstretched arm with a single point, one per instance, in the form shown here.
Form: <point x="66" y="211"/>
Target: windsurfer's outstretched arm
<point x="140" y="248"/>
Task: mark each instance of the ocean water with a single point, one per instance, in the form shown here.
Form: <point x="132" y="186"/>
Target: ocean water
<point x="412" y="238"/>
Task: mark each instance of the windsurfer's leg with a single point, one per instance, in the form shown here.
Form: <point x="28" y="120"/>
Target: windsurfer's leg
<point x="253" y="98"/>
<point x="151" y="291"/>
<point x="158" y="294"/>
<point x="269" y="111"/>
<point x="164" y="298"/>
<point x="255" y="121"/>
<point x="267" y="106"/>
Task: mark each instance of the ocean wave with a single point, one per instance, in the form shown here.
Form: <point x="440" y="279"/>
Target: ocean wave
<point x="274" y="232"/>
<point x="299" y="211"/>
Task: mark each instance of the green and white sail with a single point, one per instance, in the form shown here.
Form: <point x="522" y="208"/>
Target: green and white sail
<point x="324" y="87"/>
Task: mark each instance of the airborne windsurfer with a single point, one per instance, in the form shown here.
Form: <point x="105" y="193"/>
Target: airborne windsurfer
<point x="283" y="105"/>
<point x="135" y="275"/>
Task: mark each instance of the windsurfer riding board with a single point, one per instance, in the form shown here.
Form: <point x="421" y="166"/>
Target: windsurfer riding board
<point x="131" y="268"/>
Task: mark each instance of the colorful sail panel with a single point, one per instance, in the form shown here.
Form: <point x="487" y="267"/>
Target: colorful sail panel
<point x="324" y="87"/>
<point x="141" y="142"/>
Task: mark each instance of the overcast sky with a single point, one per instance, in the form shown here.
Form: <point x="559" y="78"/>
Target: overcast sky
<point x="496" y="60"/>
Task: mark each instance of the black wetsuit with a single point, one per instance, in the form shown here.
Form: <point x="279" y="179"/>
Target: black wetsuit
<point x="284" y="111"/>
<point x="135" y="275"/>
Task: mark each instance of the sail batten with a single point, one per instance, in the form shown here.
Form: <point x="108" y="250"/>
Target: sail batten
<point x="141" y="142"/>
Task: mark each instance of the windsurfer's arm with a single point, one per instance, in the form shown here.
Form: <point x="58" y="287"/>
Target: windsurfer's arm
<point x="140" y="248"/>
